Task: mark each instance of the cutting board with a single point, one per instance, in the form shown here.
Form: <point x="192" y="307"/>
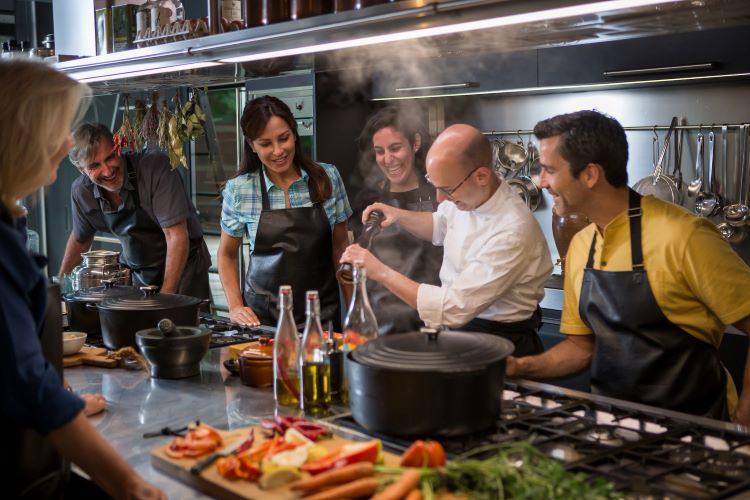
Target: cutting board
<point x="214" y="485"/>
<point x="95" y="356"/>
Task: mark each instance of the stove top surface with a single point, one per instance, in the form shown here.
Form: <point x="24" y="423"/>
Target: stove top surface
<point x="646" y="454"/>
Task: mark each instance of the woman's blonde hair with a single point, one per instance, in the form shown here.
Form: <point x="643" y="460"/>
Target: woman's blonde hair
<point x="40" y="107"/>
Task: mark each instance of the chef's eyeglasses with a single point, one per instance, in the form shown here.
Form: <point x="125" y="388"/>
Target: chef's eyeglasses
<point x="449" y="191"/>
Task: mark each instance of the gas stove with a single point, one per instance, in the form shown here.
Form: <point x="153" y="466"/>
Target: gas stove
<point x="646" y="452"/>
<point x="223" y="332"/>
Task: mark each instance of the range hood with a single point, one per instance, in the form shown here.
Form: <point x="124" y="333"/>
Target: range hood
<point x="402" y="31"/>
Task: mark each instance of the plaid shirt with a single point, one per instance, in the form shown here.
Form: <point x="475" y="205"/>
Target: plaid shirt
<point x="243" y="202"/>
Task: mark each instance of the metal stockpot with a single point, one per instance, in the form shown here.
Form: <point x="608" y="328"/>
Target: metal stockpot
<point x="427" y="383"/>
<point x="122" y="317"/>
<point x="99" y="265"/>
<point x="81" y="317"/>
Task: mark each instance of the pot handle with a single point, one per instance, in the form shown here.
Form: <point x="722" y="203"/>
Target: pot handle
<point x="92" y="306"/>
<point x="430" y="333"/>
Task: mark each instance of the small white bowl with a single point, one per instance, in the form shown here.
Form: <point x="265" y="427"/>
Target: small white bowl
<point x="72" y="342"/>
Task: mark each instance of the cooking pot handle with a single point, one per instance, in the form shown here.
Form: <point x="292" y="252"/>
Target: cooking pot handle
<point x="92" y="305"/>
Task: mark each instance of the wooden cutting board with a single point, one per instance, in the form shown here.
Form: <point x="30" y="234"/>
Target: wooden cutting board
<point x="213" y="484"/>
<point x="95" y="356"/>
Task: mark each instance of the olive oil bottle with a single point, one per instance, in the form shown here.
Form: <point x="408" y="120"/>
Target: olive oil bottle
<point x="315" y="387"/>
<point x="286" y="372"/>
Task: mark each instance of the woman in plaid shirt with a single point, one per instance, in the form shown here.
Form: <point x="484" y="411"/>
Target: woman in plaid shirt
<point x="293" y="211"/>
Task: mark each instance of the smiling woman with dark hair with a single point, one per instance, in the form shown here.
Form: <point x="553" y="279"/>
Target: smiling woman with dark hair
<point x="293" y="211"/>
<point x="395" y="141"/>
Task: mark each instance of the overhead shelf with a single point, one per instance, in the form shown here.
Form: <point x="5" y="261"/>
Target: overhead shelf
<point x="402" y="30"/>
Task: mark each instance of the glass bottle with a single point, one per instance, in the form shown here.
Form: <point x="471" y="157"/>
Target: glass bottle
<point x="315" y="383"/>
<point x="360" y="324"/>
<point x="286" y="353"/>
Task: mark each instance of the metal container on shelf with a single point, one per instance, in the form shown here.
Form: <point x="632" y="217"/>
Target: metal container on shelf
<point x="99" y="265"/>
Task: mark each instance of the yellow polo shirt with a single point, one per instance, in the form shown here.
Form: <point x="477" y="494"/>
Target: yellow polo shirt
<point x="698" y="281"/>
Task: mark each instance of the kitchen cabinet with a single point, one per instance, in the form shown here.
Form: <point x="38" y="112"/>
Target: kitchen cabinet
<point x="456" y="74"/>
<point x="723" y="49"/>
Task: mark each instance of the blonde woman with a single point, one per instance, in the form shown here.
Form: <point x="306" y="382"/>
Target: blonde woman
<point x="38" y="416"/>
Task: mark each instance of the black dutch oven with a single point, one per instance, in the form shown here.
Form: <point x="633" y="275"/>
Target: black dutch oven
<point x="81" y="317"/>
<point x="173" y="351"/>
<point x="428" y="383"/>
<point x="123" y="316"/>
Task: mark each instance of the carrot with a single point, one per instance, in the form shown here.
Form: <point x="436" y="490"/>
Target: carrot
<point x="401" y="487"/>
<point x="414" y="494"/>
<point x="360" y="488"/>
<point x="333" y="477"/>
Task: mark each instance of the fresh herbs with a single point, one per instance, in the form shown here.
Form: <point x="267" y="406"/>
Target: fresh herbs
<point x="516" y="470"/>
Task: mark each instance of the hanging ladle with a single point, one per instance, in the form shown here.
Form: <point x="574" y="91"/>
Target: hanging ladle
<point x="708" y="202"/>
<point x="695" y="185"/>
<point x="736" y="214"/>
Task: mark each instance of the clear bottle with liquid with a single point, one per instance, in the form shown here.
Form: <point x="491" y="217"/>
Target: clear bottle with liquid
<point x="286" y="373"/>
<point x="360" y="324"/>
<point x="315" y="384"/>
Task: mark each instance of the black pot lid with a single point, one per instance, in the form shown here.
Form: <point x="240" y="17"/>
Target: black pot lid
<point x="429" y="350"/>
<point x="149" y="299"/>
<point x="181" y="333"/>
<point x="100" y="293"/>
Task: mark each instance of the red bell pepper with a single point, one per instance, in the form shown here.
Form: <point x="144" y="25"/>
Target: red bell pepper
<point x="364" y="452"/>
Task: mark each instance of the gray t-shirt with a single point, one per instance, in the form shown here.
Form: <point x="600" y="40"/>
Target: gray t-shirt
<point x="161" y="194"/>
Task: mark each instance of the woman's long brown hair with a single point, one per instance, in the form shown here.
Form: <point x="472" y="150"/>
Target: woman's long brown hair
<point x="254" y="119"/>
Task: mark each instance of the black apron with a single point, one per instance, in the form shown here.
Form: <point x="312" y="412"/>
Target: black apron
<point x="639" y="355"/>
<point x="293" y="246"/>
<point x="144" y="246"/>
<point x="418" y="259"/>
<point x="524" y="334"/>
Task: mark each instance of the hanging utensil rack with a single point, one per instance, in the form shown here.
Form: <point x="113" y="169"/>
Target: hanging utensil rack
<point x="641" y="128"/>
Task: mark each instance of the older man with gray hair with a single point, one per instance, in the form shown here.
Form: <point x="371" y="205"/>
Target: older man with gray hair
<point x="138" y="198"/>
<point x="495" y="260"/>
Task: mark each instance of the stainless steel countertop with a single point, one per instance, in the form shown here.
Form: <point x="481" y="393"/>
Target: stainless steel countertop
<point x="139" y="404"/>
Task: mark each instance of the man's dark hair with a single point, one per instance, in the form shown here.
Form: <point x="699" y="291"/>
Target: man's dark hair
<point x="589" y="137"/>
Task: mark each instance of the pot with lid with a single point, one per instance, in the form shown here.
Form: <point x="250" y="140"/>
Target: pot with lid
<point x="173" y="351"/>
<point x="122" y="317"/>
<point x="83" y="318"/>
<point x="427" y="383"/>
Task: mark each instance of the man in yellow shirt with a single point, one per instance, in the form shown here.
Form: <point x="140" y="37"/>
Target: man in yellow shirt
<point x="649" y="287"/>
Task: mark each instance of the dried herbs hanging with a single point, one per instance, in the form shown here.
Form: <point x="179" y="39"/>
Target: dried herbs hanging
<point x="195" y="118"/>
<point x="169" y="139"/>
<point x="140" y="113"/>
<point x="149" y="132"/>
<point x="125" y="138"/>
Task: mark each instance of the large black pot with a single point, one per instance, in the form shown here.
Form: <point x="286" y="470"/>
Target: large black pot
<point x="427" y="383"/>
<point x="82" y="317"/>
<point x="123" y="316"/>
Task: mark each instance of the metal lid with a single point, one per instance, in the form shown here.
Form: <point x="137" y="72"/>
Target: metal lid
<point x="431" y="350"/>
<point x="150" y="300"/>
<point x="108" y="290"/>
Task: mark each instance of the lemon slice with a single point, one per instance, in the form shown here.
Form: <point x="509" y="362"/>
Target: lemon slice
<point x="278" y="476"/>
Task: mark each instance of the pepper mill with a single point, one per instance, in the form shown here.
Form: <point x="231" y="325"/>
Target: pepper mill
<point x="371" y="228"/>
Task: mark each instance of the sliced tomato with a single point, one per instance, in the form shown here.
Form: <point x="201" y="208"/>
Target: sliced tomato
<point x="174" y="453"/>
<point x="415" y="455"/>
<point x="435" y="453"/>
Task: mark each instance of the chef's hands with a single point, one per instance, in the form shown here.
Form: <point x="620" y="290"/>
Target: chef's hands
<point x="511" y="367"/>
<point x="391" y="213"/>
<point x="243" y="315"/>
<point x="94" y="403"/>
<point x="375" y="268"/>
